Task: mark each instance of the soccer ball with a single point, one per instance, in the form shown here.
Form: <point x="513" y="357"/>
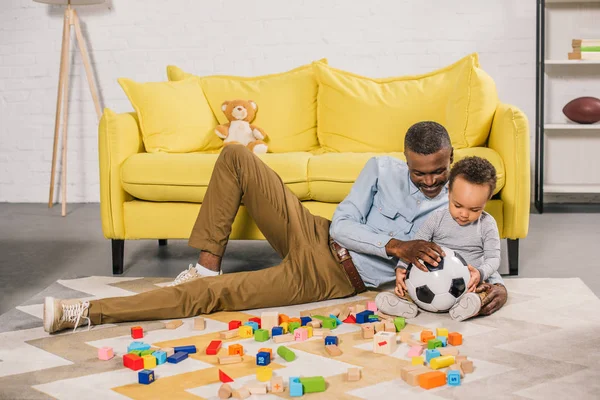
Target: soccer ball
<point x="440" y="288"/>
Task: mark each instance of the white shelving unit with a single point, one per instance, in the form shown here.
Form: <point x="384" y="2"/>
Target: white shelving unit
<point x="572" y="62"/>
<point x="575" y="127"/>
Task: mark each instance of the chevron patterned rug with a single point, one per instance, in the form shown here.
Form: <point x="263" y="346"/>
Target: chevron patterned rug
<point x="542" y="345"/>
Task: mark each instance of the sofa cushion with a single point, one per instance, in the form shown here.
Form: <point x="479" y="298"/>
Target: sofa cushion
<point x="360" y="114"/>
<point x="287" y="104"/>
<point x="332" y="175"/>
<point x="185" y="177"/>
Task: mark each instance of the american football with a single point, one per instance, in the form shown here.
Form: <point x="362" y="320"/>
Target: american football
<point x="583" y="110"/>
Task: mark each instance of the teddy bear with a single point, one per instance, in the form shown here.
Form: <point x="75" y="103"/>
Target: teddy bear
<point x="239" y="130"/>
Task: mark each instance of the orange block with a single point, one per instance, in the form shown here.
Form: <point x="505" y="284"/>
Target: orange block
<point x="283" y="318"/>
<point x="455" y="338"/>
<point x="425" y="334"/>
<point x="432" y="380"/>
<point x="236" y="349"/>
<point x="295" y="320"/>
<point x="267" y="350"/>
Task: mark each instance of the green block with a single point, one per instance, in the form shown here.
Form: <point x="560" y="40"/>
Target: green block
<point x="373" y="317"/>
<point x="286" y="353"/>
<point x="147" y="352"/>
<point x="293" y="326"/>
<point x="434" y="344"/>
<point x="400" y="323"/>
<point x="136" y="352"/>
<point x="313" y="384"/>
<point x="326" y="322"/>
<point x="261" y="335"/>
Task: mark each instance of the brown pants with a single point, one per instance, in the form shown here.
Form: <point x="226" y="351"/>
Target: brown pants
<point x="308" y="272"/>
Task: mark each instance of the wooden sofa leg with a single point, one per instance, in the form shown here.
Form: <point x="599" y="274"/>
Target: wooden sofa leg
<point x="513" y="256"/>
<point x="162" y="242"/>
<point x="118" y="251"/>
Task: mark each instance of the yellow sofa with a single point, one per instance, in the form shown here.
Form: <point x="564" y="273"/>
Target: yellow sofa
<point x="340" y="121"/>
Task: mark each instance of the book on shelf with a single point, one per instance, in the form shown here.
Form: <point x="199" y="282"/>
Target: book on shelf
<point x="585" y="49"/>
<point x="578" y="43"/>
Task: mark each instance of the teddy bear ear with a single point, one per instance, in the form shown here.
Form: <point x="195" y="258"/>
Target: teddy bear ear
<point x="253" y="104"/>
<point x="224" y="105"/>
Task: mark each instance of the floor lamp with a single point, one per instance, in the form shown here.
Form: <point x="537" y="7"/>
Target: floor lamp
<point x="62" y="103"/>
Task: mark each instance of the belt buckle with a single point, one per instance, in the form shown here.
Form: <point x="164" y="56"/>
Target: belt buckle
<point x="343" y="254"/>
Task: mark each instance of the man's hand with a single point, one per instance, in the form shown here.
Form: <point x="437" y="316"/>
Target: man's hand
<point x="495" y="299"/>
<point x="474" y="280"/>
<point x="400" y="284"/>
<point x="413" y="251"/>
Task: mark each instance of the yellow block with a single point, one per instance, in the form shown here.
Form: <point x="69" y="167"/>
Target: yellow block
<point x="149" y="361"/>
<point x="309" y="329"/>
<point x="284" y="325"/>
<point x="245" y="331"/>
<point x="441" y="332"/>
<point x="418" y="360"/>
<point x="264" y="374"/>
<point x="441" y="362"/>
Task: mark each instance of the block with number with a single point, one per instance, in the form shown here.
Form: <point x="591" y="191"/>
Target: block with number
<point x="146" y="377"/>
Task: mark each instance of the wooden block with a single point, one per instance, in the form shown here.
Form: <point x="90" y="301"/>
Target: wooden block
<point x="344" y="313"/>
<point x="459" y="359"/>
<point x="277" y="384"/>
<point x="418" y="360"/>
<point x="230" y="359"/>
<point x="236" y="349"/>
<point x="404" y="371"/>
<point x="169" y="350"/>
<point x="333" y="350"/>
<point x="257" y="388"/>
<point x="467" y="366"/>
<point x="368" y="331"/>
<point x="389" y="326"/>
<point x="384" y="342"/>
<point x="225" y="391"/>
<point x="432" y="379"/>
<point x="455" y="338"/>
<point x="269" y="320"/>
<point x="241" y="393"/>
<point x="320" y="332"/>
<point x="456" y="367"/>
<point x="264" y="374"/>
<point x="441" y="362"/>
<point x="315" y="323"/>
<point x="379" y="326"/>
<point x="413" y="342"/>
<point x="415" y="351"/>
<point x="336" y="312"/>
<point x="359" y="308"/>
<point x="412" y="377"/>
<point x="229" y="334"/>
<point x="288" y="337"/>
<point x="353" y="374"/>
<point x="441" y="332"/>
<point x="199" y="324"/>
<point x="425" y="333"/>
<point x="448" y="351"/>
<point x="173" y="324"/>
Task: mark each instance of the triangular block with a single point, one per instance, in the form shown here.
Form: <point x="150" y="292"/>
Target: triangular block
<point x="350" y="320"/>
<point x="223" y="377"/>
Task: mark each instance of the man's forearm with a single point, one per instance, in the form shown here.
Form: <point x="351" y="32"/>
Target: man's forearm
<point x="357" y="237"/>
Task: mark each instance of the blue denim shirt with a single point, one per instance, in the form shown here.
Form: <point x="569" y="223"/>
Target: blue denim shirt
<point x="383" y="204"/>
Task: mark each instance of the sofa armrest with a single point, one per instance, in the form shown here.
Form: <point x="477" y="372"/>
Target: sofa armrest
<point x="509" y="136"/>
<point x="119" y="137"/>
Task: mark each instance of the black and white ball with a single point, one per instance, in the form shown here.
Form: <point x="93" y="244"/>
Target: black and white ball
<point x="441" y="287"/>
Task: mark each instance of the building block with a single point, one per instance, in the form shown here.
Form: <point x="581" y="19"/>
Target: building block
<point x="305" y="320"/>
<point x="432" y="380"/>
<point x="384" y="342"/>
<point x="173" y="324"/>
<point x="415" y="351"/>
<point x="295" y="319"/>
<point x="443" y="339"/>
<point x="256" y="320"/>
<point x="418" y="360"/>
<point x="315" y="323"/>
<point x="225" y="391"/>
<point x="264" y="374"/>
<point x="161" y="357"/>
<point x="263" y="358"/>
<point x="337" y="320"/>
<point x="404" y="371"/>
<point x="199" y="324"/>
<point x="269" y="319"/>
<point x="146" y="352"/>
<point x="285" y="326"/>
<point x="258" y="388"/>
<point x="145" y="377"/>
<point x="149" y="361"/>
<point x="455" y="338"/>
<point x="137" y="346"/>
<point x="285" y="353"/>
<point x="344" y="313"/>
<point x="349" y="320"/>
<point x="137" y="332"/>
<point x="288" y="337"/>
<point x="300" y="334"/>
<point x="460" y="359"/>
<point x="293" y="325"/>
<point x="456" y="367"/>
<point x="448" y="351"/>
<point x="133" y="362"/>
<point x="321" y="332"/>
<point x="453" y="378"/>
<point x="379" y="326"/>
<point x="441" y="362"/>
<point x="467" y="366"/>
<point x="431" y="354"/>
<point x="223" y="360"/>
<point x="261" y="335"/>
<point x="223" y="377"/>
<point x="333" y="350"/>
<point x="400" y="323"/>
<point x="313" y="384"/>
<point x="359" y="308"/>
<point x="186" y="349"/>
<point x="245" y="331"/>
<point x="213" y="347"/>
<point x="295" y="387"/>
<point x="424" y="334"/>
<point x="283" y="318"/>
<point x="434" y="344"/>
<point x="309" y="330"/>
<point x="441" y="332"/>
<point x="136" y="352"/>
<point x="368" y="331"/>
<point x="372" y="319"/>
<point x="241" y="393"/>
<point x="277" y="384"/>
<point x="234" y="324"/>
<point x="412" y="378"/>
<point x="335" y="312"/>
<point x="276" y="330"/>
<point x="353" y="374"/>
<point x="389" y="326"/>
<point x="177" y="357"/>
<point x="267" y="350"/>
<point x="105" y="353"/>
<point x="229" y="334"/>
<point x="371" y="306"/>
<point x="363" y="317"/>
<point x="252" y="324"/>
<point x="236" y="349"/>
<point x="331" y="340"/>
<point x="326" y="322"/>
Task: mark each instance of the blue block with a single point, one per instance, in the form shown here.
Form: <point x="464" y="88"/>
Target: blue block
<point x="146" y="376"/>
<point x="185" y="349"/>
<point x="276" y="331"/>
<point x="305" y="320"/>
<point x="363" y="316"/>
<point x="453" y="378"/>
<point x="431" y="353"/>
<point x="295" y="387"/>
<point x="443" y="339"/>
<point x="263" y="358"/>
<point x="331" y="340"/>
<point x="161" y="357"/>
<point x="253" y="324"/>
<point x="138" y="346"/>
<point x="177" y="357"/>
<point x="339" y="322"/>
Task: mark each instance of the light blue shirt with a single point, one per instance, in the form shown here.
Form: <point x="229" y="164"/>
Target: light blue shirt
<point x="383" y="204"/>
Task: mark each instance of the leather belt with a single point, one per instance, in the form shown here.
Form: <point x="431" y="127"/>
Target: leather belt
<point x="343" y="257"/>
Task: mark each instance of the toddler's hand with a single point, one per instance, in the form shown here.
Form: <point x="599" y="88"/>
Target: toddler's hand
<point x="474" y="280"/>
<point x="400" y="284"/>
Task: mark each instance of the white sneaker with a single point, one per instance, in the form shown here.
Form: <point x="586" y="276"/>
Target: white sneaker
<point x="63" y="314"/>
<point x="186" y="276"/>
<point x="391" y="304"/>
<point x="468" y="306"/>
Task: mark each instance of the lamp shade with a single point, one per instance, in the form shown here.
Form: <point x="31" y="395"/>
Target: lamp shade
<point x="73" y="2"/>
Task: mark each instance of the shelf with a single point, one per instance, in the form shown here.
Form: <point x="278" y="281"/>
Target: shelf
<point x="572" y="188"/>
<point x="571" y="1"/>
<point x="579" y="127"/>
<point x="572" y="62"/>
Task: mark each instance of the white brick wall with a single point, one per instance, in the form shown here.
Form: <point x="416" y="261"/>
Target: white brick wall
<point x="139" y="38"/>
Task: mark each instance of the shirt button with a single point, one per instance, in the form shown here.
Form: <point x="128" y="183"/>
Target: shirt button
<point x="378" y="243"/>
<point x="418" y="201"/>
<point x="379" y="208"/>
<point x="391" y="233"/>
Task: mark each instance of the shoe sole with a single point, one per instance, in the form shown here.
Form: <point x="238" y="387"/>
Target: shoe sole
<point x="403" y="308"/>
<point x="48" y="313"/>
<point x="466" y="307"/>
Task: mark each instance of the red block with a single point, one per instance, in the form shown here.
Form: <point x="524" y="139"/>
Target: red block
<point x="455" y="338"/>
<point x="137" y="332"/>
<point x="255" y="319"/>
<point x="223" y="377"/>
<point x="133" y="362"/>
<point x="213" y="347"/>
<point x="350" y="320"/>
<point x="234" y="324"/>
